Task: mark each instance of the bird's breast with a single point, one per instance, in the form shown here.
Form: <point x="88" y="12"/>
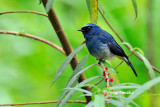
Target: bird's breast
<point x="99" y="50"/>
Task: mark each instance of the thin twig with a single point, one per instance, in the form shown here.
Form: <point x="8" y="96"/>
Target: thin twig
<point x="99" y="81"/>
<point x="123" y="40"/>
<point x="44" y="102"/>
<point x="106" y="74"/>
<point x="24" y="11"/>
<point x="122" y="61"/>
<point x="36" y="38"/>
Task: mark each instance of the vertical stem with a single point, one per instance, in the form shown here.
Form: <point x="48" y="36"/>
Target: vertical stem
<point x="150" y="36"/>
<point x="65" y="43"/>
<point x="150" y="45"/>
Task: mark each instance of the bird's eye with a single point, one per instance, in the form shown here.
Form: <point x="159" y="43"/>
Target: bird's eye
<point x="89" y="28"/>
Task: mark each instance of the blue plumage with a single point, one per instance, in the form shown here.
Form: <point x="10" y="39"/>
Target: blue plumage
<point x="102" y="45"/>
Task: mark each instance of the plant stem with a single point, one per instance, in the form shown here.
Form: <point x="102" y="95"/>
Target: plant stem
<point x="44" y="102"/>
<point x="65" y="43"/>
<point x="34" y="37"/>
<point x="24" y="11"/>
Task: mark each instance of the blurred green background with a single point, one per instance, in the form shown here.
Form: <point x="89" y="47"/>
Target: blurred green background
<point x="27" y="67"/>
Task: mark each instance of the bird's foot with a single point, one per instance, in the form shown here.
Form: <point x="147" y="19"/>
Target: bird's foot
<point x="100" y="62"/>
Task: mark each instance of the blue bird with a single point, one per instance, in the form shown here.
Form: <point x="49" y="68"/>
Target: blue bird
<point x="102" y="45"/>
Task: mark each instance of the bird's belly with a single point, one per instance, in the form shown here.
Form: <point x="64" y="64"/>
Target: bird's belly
<point x="101" y="51"/>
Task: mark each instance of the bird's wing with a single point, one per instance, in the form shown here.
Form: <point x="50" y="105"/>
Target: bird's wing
<point x="116" y="49"/>
<point x="107" y="39"/>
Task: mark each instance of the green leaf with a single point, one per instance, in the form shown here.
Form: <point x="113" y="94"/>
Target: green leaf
<point x="66" y="62"/>
<point x="127" y="44"/>
<point x="49" y="5"/>
<point x="120" y="97"/>
<point x="117" y="103"/>
<point x="90" y="104"/>
<point x="99" y="100"/>
<point x="93" y="10"/>
<point x="140" y="50"/>
<point x="123" y="87"/>
<point x="135" y="7"/>
<point x="87" y="80"/>
<point x="40" y="1"/>
<point x="91" y="85"/>
<point x="130" y="84"/>
<point x="73" y="91"/>
<point x="148" y="66"/>
<point x="73" y="83"/>
<point x="81" y="90"/>
<point x="142" y="89"/>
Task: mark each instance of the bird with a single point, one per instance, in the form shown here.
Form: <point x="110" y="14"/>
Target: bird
<point x="102" y="45"/>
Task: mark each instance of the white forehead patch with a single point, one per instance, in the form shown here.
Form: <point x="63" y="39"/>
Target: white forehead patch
<point x="89" y="24"/>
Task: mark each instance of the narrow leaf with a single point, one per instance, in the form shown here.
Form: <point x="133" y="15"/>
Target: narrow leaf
<point x="86" y="81"/>
<point x="49" y="5"/>
<point x="117" y="103"/>
<point x="127" y="44"/>
<point x="148" y="66"/>
<point x="135" y="7"/>
<point x="66" y="62"/>
<point x="90" y="104"/>
<point x="142" y="89"/>
<point x="93" y="10"/>
<point x="73" y="83"/>
<point x="73" y="91"/>
<point x="120" y="97"/>
<point x="128" y="84"/>
<point x="99" y="100"/>
<point x="40" y="1"/>
<point x="140" y="50"/>
<point x="123" y="87"/>
<point x="76" y="71"/>
<point x="81" y="90"/>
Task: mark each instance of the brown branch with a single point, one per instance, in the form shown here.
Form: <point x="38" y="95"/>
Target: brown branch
<point x="123" y="40"/>
<point x="44" y="102"/>
<point x="36" y="38"/>
<point x="99" y="81"/>
<point x="24" y="11"/>
<point x="65" y="43"/>
<point x="122" y="61"/>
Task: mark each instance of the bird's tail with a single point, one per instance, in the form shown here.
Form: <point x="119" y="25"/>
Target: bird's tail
<point x="130" y="64"/>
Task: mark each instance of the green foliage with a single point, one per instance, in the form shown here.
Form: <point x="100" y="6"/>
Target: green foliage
<point x="99" y="100"/>
<point x="69" y="94"/>
<point x="142" y="89"/>
<point x="135" y="7"/>
<point x="66" y="62"/>
<point x="148" y="66"/>
<point x="93" y="10"/>
<point x="73" y="80"/>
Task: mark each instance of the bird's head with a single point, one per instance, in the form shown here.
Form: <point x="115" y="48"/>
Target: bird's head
<point x="90" y="29"/>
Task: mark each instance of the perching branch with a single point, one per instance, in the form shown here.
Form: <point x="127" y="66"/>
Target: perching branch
<point x="65" y="43"/>
<point x="123" y="40"/>
<point x="100" y="81"/>
<point x="24" y="11"/>
<point x="34" y="37"/>
<point x="44" y="102"/>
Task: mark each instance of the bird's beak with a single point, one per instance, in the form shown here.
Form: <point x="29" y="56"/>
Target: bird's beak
<point x="80" y="30"/>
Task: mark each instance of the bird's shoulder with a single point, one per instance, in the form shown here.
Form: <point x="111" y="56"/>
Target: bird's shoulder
<point x="114" y="47"/>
